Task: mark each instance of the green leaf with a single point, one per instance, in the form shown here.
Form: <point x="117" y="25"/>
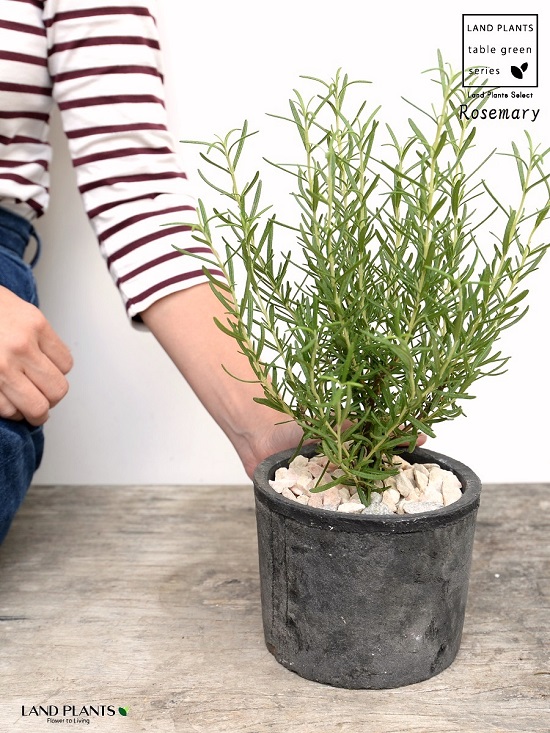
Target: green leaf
<point x="542" y="215"/>
<point x="455" y="196"/>
<point x="517" y="299"/>
<point x="436" y="207"/>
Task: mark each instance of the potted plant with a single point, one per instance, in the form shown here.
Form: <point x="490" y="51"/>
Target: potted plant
<point x="373" y="329"/>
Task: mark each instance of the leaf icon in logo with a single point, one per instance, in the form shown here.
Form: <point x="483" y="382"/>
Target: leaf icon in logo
<point x="123" y="711"/>
<point x="518" y="73"/>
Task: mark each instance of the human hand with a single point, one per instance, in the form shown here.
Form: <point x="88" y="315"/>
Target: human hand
<point x="268" y="440"/>
<point x="272" y="438"/>
<point x="33" y="362"/>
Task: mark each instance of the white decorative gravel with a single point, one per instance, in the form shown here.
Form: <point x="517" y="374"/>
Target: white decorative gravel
<point x="419" y="487"/>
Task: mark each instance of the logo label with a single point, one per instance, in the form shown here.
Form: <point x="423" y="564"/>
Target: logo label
<point x="500" y="50"/>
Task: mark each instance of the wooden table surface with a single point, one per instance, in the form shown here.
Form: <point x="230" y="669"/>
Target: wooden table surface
<point x="148" y="598"/>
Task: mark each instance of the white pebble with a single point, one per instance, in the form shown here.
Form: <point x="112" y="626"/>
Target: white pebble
<point x="409" y="473"/>
<point x="303" y="499"/>
<point x="405" y="487"/>
<point x="401" y="463"/>
<point x="315" y="469"/>
<point x="331" y="498"/>
<point x="377" y="509"/>
<point x="344" y="494"/>
<point x="319" y="461"/>
<point x="305" y="481"/>
<point x="316" y="501"/>
<point x="389" y="502"/>
<point x="417" y="507"/>
<point x="299" y="462"/>
<point x="391" y="495"/>
<point x="421" y="479"/>
<point x="421" y="468"/>
<point x="451" y="493"/>
<point x="433" y="496"/>
<point x="436" y="479"/>
<point x="350" y="507"/>
<point x="287" y="493"/>
<point x="449" y="479"/>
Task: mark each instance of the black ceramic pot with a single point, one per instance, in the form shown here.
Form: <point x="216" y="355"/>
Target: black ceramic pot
<point x="361" y="601"/>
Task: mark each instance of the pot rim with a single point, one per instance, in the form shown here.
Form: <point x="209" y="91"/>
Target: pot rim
<point x="362" y="523"/>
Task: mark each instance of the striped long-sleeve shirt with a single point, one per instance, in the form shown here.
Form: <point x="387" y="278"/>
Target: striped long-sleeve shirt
<point x="100" y="63"/>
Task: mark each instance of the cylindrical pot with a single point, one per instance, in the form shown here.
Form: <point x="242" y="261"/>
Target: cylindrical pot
<point x="364" y="601"/>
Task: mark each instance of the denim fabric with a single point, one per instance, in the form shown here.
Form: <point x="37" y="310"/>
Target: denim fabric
<point x="21" y="444"/>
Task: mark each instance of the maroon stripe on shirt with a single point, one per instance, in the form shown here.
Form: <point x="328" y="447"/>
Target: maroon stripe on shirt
<point x="35" y="205"/>
<point x="112" y="99"/>
<point x="147" y="266"/>
<point x="159" y="261"/>
<point x="121" y="153"/>
<point x="100" y="70"/>
<point x="22" y="27"/>
<point x="104" y="41"/>
<point x="18" y="163"/>
<point x="129" y="179"/>
<point x="36" y="3"/>
<point x="167" y="283"/>
<point x="137" y="243"/>
<point x="42" y="116"/>
<point x="105" y="207"/>
<point x="19" y="139"/>
<point x="23" y="57"/>
<point x="140" y="217"/>
<point x="90" y="12"/>
<point x="6" y="86"/>
<point x="108" y="129"/>
<point x="17" y="179"/>
<point x="32" y="203"/>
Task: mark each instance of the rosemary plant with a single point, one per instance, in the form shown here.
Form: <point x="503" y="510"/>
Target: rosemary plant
<point x="403" y="288"/>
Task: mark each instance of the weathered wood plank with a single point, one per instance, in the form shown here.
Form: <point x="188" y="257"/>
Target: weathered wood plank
<point x="148" y="597"/>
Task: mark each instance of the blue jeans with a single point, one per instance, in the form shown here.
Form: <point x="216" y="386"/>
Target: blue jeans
<point x="21" y="444"/>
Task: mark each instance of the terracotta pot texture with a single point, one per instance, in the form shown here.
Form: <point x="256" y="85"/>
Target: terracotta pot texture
<point x="364" y="602"/>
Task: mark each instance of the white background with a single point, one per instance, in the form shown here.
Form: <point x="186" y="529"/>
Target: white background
<point x="129" y="417"/>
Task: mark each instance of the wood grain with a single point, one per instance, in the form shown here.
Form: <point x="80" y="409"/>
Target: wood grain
<point x="148" y="598"/>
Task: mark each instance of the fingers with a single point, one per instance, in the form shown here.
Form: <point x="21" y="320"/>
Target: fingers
<point x="53" y="347"/>
<point x="33" y="391"/>
<point x="7" y="410"/>
<point x="421" y="439"/>
<point x="33" y="362"/>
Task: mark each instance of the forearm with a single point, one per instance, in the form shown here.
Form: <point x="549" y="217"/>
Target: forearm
<point x="183" y="324"/>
